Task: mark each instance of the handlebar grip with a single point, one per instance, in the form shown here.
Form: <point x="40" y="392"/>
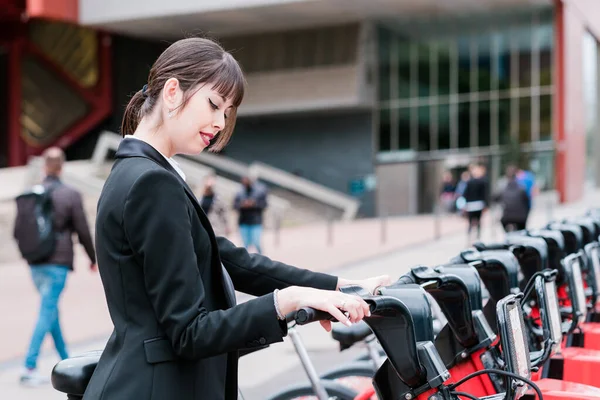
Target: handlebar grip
<point x="307" y="315"/>
<point x="406" y="280"/>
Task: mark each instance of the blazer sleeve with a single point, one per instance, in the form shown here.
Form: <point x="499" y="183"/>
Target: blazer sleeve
<point x="257" y="275"/>
<point x="163" y="243"/>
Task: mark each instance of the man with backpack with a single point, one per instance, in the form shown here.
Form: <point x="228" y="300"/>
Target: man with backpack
<point x="514" y="201"/>
<point x="47" y="217"/>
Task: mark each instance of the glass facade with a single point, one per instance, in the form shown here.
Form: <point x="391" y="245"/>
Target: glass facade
<point x="454" y="90"/>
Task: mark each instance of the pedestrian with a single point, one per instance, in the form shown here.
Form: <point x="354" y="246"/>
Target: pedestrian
<point x="526" y="179"/>
<point x="447" y="192"/>
<point x="475" y="195"/>
<point x="48" y="248"/>
<point x="168" y="280"/>
<point x="214" y="207"/>
<point x="514" y="201"/>
<point x="465" y="176"/>
<point x="250" y="202"/>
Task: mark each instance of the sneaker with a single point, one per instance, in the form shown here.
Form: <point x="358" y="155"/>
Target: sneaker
<point x="31" y="378"/>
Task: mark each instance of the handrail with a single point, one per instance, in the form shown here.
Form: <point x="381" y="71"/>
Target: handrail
<point x="223" y="163"/>
<point x="285" y="180"/>
<point x="195" y="171"/>
<point x="306" y="187"/>
<point x="349" y="205"/>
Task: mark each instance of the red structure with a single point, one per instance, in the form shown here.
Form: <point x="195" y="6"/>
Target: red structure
<point x="573" y="18"/>
<point x="15" y="19"/>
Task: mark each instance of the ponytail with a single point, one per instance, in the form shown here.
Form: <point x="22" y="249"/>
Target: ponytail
<point x="133" y="113"/>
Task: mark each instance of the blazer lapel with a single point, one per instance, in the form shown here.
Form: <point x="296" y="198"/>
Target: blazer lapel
<point x="137" y="148"/>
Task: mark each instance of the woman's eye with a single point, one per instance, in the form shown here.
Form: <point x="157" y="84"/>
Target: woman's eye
<point x="213" y="105"/>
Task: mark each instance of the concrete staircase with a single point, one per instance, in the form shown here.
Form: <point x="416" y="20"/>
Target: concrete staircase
<point x="285" y="207"/>
<point x="292" y="200"/>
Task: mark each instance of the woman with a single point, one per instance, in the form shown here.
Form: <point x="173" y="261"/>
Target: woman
<point x="169" y="282"/>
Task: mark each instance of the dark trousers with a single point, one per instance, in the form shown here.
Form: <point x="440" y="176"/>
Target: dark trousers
<point x="474" y="218"/>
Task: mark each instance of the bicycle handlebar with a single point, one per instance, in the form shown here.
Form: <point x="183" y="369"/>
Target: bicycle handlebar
<point x="307" y="315"/>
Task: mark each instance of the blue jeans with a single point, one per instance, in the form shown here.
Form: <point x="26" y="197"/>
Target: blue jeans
<point x="49" y="281"/>
<point x="251" y="236"/>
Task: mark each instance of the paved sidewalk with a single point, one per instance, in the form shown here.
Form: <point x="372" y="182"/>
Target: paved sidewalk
<point x="84" y="315"/>
<point x="86" y="320"/>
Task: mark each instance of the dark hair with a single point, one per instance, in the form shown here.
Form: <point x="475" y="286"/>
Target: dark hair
<point x="192" y="61"/>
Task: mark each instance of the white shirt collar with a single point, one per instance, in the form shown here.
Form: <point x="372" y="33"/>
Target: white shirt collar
<point x="173" y="163"/>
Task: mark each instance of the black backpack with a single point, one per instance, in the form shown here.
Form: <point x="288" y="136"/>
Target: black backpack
<point x="34" y="227"/>
<point x="515" y="202"/>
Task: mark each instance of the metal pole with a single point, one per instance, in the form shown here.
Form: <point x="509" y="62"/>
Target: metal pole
<point x="329" y="229"/>
<point x="277" y="229"/>
<point x="383" y="225"/>
<point x="308" y="366"/>
<point x="549" y="207"/>
<point x="494" y="211"/>
<point x="436" y="222"/>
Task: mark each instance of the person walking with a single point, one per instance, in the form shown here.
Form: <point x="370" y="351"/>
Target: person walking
<point x="476" y="202"/>
<point x="214" y="207"/>
<point x="250" y="202"/>
<point x="50" y="268"/>
<point x="515" y="202"/>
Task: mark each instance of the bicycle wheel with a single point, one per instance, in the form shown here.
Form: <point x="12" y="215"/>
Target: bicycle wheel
<point x="335" y="391"/>
<point x="357" y="376"/>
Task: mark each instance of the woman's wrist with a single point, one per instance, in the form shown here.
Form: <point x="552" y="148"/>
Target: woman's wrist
<point x="344" y="282"/>
<point x="280" y="315"/>
<point x="285" y="300"/>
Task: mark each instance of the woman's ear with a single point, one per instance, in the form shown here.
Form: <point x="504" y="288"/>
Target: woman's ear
<point x="172" y="94"/>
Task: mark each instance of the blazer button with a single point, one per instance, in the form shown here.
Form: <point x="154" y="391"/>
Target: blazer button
<point x="262" y="341"/>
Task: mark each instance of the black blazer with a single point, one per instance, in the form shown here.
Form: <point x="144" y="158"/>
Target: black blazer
<point x="177" y="330"/>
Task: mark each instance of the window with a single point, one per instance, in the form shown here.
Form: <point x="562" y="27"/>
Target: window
<point x="403" y="128"/>
<point x="484" y="117"/>
<point x="385" y="133"/>
<point x="385" y="64"/>
<point x="443" y="126"/>
<point x="449" y="87"/>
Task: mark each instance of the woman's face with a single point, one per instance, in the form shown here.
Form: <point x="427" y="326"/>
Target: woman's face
<point x="192" y="127"/>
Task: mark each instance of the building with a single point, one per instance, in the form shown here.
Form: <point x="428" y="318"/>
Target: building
<point x="373" y="97"/>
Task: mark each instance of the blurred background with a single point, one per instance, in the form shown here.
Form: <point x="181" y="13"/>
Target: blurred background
<point x="359" y="118"/>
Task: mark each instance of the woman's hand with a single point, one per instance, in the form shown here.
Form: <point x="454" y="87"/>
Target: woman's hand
<point x="370" y="284"/>
<point x="335" y="303"/>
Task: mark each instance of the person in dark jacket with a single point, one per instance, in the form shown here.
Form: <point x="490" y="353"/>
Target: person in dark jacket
<point x="49" y="276"/>
<point x="250" y="202"/>
<point x="214" y="208"/>
<point x="476" y="198"/>
<point x="169" y="281"/>
<point x="515" y="202"/>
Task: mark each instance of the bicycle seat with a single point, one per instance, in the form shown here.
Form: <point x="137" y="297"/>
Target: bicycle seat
<point x="72" y="375"/>
<point x="348" y="336"/>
